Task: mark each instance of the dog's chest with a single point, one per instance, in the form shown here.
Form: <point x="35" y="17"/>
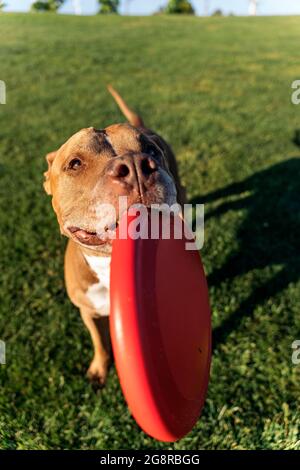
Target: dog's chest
<point x="98" y="293"/>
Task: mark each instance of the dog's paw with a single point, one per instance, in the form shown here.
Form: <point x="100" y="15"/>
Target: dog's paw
<point x="97" y="372"/>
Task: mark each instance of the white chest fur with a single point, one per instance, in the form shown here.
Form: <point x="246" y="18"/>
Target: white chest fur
<point x="98" y="293"/>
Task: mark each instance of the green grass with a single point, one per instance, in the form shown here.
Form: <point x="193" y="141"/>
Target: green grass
<point x="218" y="90"/>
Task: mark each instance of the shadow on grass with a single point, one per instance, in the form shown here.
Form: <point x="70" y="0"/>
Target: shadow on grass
<point x="268" y="236"/>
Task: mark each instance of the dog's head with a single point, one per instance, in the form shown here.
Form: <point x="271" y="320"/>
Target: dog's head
<point x="89" y="173"/>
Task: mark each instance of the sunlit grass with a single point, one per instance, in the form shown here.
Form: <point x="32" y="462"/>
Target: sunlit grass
<point x="219" y="91"/>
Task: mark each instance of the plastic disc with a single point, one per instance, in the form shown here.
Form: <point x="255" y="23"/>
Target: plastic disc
<point x="161" y="332"/>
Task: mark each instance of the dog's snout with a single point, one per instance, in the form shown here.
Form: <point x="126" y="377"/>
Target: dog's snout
<point x="132" y="169"/>
<point x="147" y="166"/>
<point x="121" y="170"/>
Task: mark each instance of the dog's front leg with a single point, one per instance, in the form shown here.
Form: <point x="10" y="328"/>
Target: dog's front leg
<point x="98" y="328"/>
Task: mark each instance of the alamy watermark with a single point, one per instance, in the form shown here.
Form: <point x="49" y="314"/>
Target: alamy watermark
<point x="2" y="92"/>
<point x="296" y="353"/>
<point x="2" y="352"/>
<point x="295" y="97"/>
<point x="157" y="221"/>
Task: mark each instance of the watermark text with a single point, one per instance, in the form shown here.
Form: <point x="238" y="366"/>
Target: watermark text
<point x="2" y="92"/>
<point x="2" y="352"/>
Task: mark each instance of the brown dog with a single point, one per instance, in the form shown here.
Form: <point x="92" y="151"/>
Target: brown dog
<point x="96" y="167"/>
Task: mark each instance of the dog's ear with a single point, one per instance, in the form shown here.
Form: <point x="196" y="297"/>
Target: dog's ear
<point x="50" y="159"/>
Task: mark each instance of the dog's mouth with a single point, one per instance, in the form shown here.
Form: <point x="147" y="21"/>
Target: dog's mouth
<point x="93" y="238"/>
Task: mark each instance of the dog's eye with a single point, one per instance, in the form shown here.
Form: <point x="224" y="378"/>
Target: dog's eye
<point x="74" y="164"/>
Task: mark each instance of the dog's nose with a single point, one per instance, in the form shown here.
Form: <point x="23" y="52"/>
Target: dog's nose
<point x="132" y="170"/>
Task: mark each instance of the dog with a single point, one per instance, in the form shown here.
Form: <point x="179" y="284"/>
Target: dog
<point x="96" y="167"/>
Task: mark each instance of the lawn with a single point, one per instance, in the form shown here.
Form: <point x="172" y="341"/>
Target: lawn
<point x="219" y="90"/>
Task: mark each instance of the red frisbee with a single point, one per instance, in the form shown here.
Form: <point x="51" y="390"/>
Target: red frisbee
<point x="161" y="332"/>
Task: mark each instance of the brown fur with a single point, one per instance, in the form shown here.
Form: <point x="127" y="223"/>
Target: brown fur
<point x="76" y="190"/>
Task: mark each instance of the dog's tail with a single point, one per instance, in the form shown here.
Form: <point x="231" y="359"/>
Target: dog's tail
<point x="133" y="118"/>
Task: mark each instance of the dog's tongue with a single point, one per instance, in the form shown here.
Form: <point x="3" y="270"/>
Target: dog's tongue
<point x="87" y="238"/>
<point x="79" y="231"/>
<point x="83" y="234"/>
